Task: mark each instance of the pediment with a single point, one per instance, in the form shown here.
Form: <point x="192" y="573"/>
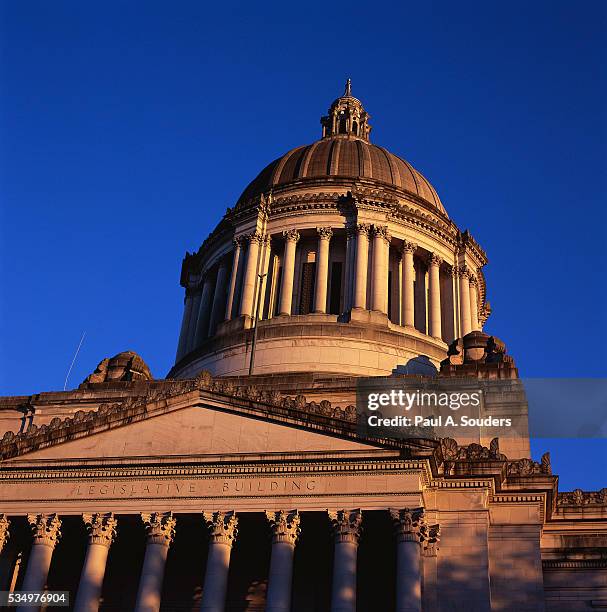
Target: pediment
<point x="200" y="417"/>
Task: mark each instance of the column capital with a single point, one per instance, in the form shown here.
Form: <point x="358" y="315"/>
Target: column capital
<point x="346" y="525"/>
<point x="285" y="526"/>
<point x="431" y="541"/>
<point x="434" y="260"/>
<point x="381" y="231"/>
<point x="408" y="247"/>
<point x="46" y="528"/>
<point x="409" y="524"/>
<point x="461" y="271"/>
<point x="222" y="526"/>
<point x="324" y="233"/>
<point x="238" y="241"/>
<point x="101" y="528"/>
<point x="472" y="280"/>
<point x="291" y="235"/>
<point x="256" y="236"/>
<point x="159" y="526"/>
<point x="362" y="229"/>
<point x="4" y="532"/>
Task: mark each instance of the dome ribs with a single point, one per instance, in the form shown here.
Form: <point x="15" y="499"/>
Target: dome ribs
<point x="333" y="161"/>
<point x="319" y="162"/>
<point x="277" y="174"/>
<point x="305" y="161"/>
<point x="348" y="159"/>
<point x="396" y="178"/>
<point x="365" y="167"/>
<point x="381" y="168"/>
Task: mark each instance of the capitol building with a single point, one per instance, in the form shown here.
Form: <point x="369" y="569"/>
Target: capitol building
<point x="243" y="480"/>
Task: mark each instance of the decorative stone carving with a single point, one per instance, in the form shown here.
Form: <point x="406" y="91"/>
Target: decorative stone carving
<point x="577" y="497"/>
<point x="256" y="237"/>
<point x="46" y="528"/>
<point x="4" y="532"/>
<point x="471" y="452"/>
<point x="291" y="235"/>
<point x="409" y="525"/>
<point x="324" y="233"/>
<point x="101" y="528"/>
<point x="382" y="232"/>
<point x="160" y="527"/>
<point x="528" y="467"/>
<point x="285" y="526"/>
<point x="473" y="280"/>
<point x="408" y="247"/>
<point x="434" y="260"/>
<point x="125" y="366"/>
<point x="222" y="526"/>
<point x="363" y="229"/>
<point x="346" y="524"/>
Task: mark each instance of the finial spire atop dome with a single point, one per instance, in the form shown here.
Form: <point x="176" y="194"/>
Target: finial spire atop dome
<point x="346" y="118"/>
<point x="348" y="90"/>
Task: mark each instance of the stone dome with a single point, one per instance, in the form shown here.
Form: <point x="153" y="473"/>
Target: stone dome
<point x="343" y="156"/>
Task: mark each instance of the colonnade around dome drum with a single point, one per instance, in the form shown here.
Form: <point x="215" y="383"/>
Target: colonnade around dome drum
<point x="337" y="272"/>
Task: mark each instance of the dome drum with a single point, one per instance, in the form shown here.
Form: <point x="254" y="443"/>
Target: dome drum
<point x="345" y="257"/>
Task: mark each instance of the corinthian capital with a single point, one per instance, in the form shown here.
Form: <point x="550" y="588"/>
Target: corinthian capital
<point x="291" y="235"/>
<point x="363" y="229"/>
<point x="434" y="260"/>
<point x="346" y="525"/>
<point x="381" y="231"/>
<point x="324" y="233"/>
<point x="409" y="247"/>
<point x="409" y="525"/>
<point x="472" y="280"/>
<point x="46" y="528"/>
<point x="101" y="528"/>
<point x="159" y="526"/>
<point x="256" y="236"/>
<point x="4" y="533"/>
<point x="222" y="526"/>
<point x="285" y="526"/>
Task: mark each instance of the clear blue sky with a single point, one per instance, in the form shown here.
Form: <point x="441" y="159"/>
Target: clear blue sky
<point x="127" y="128"/>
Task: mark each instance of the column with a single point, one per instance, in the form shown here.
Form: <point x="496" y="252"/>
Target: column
<point x="204" y="312"/>
<point x="464" y="301"/>
<point x="4" y="532"/>
<point x="46" y="533"/>
<point x="408" y="284"/>
<point x="379" y="283"/>
<point x="249" y="281"/>
<point x="474" y="324"/>
<point x="322" y="269"/>
<point x="233" y="278"/>
<point x="160" y="529"/>
<point x="434" y="263"/>
<point x="183" y="334"/>
<point x="193" y="320"/>
<point x="217" y="309"/>
<point x="349" y="274"/>
<point x="360" y="267"/>
<point x="288" y="271"/>
<point x="102" y="531"/>
<point x="346" y="532"/>
<point x="285" y="531"/>
<point x="410" y="529"/>
<point x="223" y="532"/>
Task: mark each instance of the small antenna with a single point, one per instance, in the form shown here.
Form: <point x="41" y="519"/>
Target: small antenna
<point x="73" y="360"/>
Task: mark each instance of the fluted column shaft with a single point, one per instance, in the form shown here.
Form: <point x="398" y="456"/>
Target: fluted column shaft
<point x="102" y="531"/>
<point x="233" y="278"/>
<point x="217" y="310"/>
<point x="46" y="532"/>
<point x="346" y="532"/>
<point x="349" y="275"/>
<point x="322" y="269"/>
<point x="408" y="284"/>
<point x="285" y="531"/>
<point x="288" y="271"/>
<point x="381" y="245"/>
<point x="361" y="264"/>
<point x="464" y="301"/>
<point x="160" y="528"/>
<point x="409" y="529"/>
<point x="187" y="313"/>
<point x="223" y="531"/>
<point x="434" y="263"/>
<point x="204" y="311"/>
<point x="250" y="275"/>
<point x="474" y="323"/>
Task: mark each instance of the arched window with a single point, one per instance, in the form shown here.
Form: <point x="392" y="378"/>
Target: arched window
<point x="355" y="127"/>
<point x="342" y="125"/>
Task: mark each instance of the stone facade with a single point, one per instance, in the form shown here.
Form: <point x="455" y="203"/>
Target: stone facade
<point x="249" y="485"/>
